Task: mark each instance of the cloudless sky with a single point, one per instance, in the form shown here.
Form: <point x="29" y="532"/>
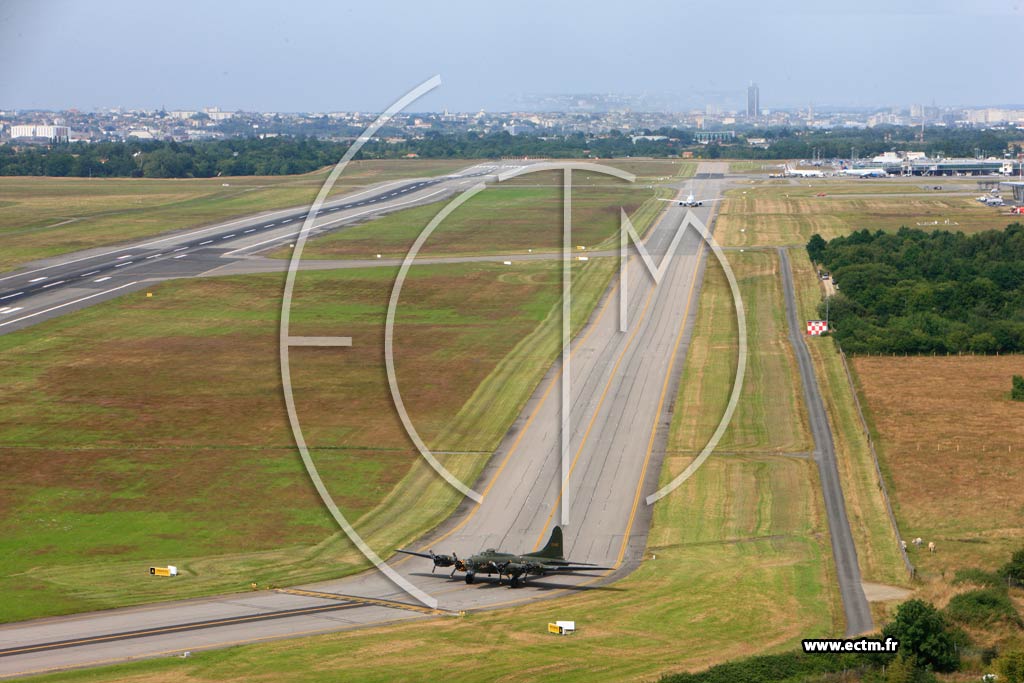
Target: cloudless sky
<point x="296" y="55"/>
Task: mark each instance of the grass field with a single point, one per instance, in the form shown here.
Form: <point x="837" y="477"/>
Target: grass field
<point x="44" y="217"/>
<point x="161" y="444"/>
<point x="748" y="578"/>
<point x="509" y="218"/>
<point x="740" y="551"/>
<point x="777" y="213"/>
<point x="152" y="445"/>
<point x="770" y="417"/>
<point x="952" y="442"/>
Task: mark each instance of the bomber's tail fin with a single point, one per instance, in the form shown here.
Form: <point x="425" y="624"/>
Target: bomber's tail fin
<point x="553" y="550"/>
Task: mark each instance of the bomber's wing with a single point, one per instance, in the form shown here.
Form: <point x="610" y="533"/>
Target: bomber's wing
<point x="429" y="556"/>
<point x="574" y="568"/>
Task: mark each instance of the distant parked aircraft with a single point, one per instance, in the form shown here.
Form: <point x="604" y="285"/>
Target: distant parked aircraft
<point x="800" y="173"/>
<point x="865" y="172"/>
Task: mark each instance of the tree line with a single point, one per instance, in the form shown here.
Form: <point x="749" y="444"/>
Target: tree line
<point x="287" y="155"/>
<point x="921" y="292"/>
<point x="158" y="159"/>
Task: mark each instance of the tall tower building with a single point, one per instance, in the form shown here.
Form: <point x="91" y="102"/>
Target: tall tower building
<point x="753" y="101"/>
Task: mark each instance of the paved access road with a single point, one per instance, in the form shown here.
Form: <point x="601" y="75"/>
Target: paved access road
<point x="621" y="387"/>
<point x="855" y="604"/>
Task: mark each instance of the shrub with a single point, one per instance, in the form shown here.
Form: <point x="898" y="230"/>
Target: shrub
<point x="795" y="666"/>
<point x="1018" y="388"/>
<point x="923" y="633"/>
<point x="1014" y="569"/>
<point x="1011" y="666"/>
<point x="982" y="607"/>
<point x="979" y="577"/>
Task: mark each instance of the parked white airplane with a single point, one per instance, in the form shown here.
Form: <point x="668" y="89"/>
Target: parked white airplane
<point x="865" y="172"/>
<point x="690" y="200"/>
<point x="799" y="173"/>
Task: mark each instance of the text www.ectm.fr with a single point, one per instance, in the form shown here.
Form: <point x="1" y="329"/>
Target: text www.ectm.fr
<point x="812" y="645"/>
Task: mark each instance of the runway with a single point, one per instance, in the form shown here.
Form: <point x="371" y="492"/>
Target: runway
<point x="53" y="287"/>
<point x="622" y="384"/>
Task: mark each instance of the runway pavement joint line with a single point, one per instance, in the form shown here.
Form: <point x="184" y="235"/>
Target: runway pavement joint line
<point x="379" y="602"/>
<point x="177" y="628"/>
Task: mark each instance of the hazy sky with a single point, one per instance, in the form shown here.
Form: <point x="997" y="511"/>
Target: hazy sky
<point x="295" y="55"/>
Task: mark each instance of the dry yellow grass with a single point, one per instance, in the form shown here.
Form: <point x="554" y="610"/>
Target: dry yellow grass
<point x="953" y="445"/>
<point x="788" y="214"/>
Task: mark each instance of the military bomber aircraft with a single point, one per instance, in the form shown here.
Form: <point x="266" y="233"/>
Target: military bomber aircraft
<point x="547" y="560"/>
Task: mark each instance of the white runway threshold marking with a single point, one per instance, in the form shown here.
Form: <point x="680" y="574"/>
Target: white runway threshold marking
<point x="70" y="303"/>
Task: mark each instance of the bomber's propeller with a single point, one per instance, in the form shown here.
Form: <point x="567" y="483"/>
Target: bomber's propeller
<point x="442" y="560"/>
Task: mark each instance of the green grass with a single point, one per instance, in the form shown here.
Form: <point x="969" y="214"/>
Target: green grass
<point x="45" y="217"/>
<point x="738" y="552"/>
<point x="516" y="217"/>
<point x="160" y="443"/>
<point x="150" y="430"/>
<point x="736" y="564"/>
<point x="770" y="416"/>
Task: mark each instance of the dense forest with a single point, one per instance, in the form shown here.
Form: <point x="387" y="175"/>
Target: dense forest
<point x="286" y="155"/>
<point x="151" y="159"/>
<point x="926" y="292"/>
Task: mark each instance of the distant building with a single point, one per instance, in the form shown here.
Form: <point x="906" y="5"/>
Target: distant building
<point x="56" y="133"/>
<point x="753" y="101"/>
<point x="706" y="136"/>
